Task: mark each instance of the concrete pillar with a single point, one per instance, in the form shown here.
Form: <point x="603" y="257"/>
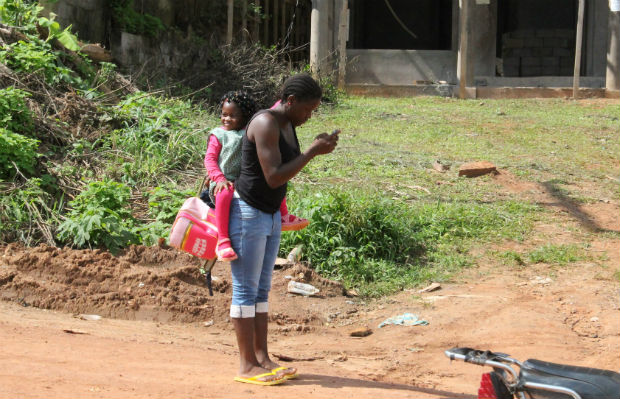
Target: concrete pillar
<point x="483" y="37"/>
<point x="612" y="79"/>
<point x="318" y="35"/>
<point x="595" y="37"/>
<point x="465" y="67"/>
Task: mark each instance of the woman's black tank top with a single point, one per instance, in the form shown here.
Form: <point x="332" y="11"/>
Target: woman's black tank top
<point x="251" y="184"/>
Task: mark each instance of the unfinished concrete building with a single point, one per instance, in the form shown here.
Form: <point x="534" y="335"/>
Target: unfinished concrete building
<point x="422" y="46"/>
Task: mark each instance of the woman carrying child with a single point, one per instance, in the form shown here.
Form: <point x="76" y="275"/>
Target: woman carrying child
<point x="270" y="158"/>
<point x="223" y="164"/>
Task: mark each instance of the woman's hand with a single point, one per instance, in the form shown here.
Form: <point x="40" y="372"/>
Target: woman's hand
<point x="221" y="186"/>
<point x="325" y="143"/>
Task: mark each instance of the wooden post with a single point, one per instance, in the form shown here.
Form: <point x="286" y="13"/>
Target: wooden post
<point x="275" y="21"/>
<point x="343" y="37"/>
<point x="283" y="22"/>
<point x="255" y="32"/>
<point x="612" y="72"/>
<point x="297" y="32"/>
<point x="229" y="31"/>
<point x="244" y="15"/>
<point x="465" y="70"/>
<point x="578" y="43"/>
<point x="266" y="28"/>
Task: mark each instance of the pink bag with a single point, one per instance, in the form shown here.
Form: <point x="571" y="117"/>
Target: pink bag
<point x="194" y="230"/>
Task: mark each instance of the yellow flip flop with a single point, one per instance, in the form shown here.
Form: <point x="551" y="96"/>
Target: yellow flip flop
<point x="256" y="379"/>
<point x="288" y="376"/>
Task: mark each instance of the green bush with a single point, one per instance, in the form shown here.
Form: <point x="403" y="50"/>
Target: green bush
<point x="164" y="204"/>
<point x="100" y="218"/>
<point x="134" y="22"/>
<point x="14" y="113"/>
<point x="19" y="12"/>
<point x="380" y="245"/>
<point x="37" y="57"/>
<point x="28" y="213"/>
<point x="17" y="152"/>
<point x="158" y="135"/>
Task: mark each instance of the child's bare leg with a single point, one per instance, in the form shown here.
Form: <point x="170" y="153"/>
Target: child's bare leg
<point x="224" y="250"/>
<point x="291" y="222"/>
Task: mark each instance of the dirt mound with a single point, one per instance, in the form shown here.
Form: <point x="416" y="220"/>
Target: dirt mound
<point x="149" y="283"/>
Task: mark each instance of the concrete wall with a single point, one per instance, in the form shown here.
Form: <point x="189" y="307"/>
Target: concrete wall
<point x="400" y="67"/>
<point x="89" y="18"/>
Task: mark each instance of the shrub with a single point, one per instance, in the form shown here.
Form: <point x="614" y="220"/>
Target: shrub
<point x="158" y="135"/>
<point x="379" y="245"/>
<point x="100" y="218"/>
<point x="164" y="204"/>
<point x="28" y="212"/>
<point x="17" y="153"/>
<point x="14" y="113"/>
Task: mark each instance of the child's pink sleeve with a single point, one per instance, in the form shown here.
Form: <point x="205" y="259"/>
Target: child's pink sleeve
<point x="213" y="154"/>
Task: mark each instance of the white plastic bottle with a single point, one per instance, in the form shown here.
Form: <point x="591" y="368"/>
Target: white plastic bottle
<point x="301" y="288"/>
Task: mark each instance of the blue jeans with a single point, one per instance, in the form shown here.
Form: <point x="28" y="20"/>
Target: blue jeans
<point x="255" y="237"/>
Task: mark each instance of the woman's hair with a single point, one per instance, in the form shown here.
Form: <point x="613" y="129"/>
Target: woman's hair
<point x="243" y="100"/>
<point x="302" y="86"/>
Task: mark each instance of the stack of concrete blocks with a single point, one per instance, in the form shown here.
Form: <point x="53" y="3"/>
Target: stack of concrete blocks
<point x="540" y="52"/>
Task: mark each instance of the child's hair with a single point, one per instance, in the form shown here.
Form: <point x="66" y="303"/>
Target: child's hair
<point x="243" y="100"/>
<point x="302" y="86"/>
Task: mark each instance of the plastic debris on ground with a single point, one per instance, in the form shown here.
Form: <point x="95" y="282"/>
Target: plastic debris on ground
<point x="407" y="319"/>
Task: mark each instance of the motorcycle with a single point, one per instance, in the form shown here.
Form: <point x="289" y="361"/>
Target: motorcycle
<point x="537" y="379"/>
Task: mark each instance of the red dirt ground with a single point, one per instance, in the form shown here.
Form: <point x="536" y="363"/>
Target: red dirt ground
<point x="155" y="338"/>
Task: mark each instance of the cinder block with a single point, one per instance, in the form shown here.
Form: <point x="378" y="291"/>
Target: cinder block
<point x="555" y="42"/>
<point x="523" y="52"/>
<point x="545" y="33"/>
<point x="565" y="33"/>
<point x="512" y="43"/>
<point x="511" y="61"/>
<point x="534" y="42"/>
<point x="530" y="61"/>
<point x="542" y="52"/>
<point x="523" y="34"/>
<point x="567" y="71"/>
<point x="531" y="71"/>
<point x="511" y="70"/>
<point x="562" y="52"/>
<point x="550" y="61"/>
<point x="550" y="70"/>
<point x="567" y="62"/>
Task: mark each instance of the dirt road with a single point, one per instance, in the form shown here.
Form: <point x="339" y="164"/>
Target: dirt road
<point x="161" y="335"/>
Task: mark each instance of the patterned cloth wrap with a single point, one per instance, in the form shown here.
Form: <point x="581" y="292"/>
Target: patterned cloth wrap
<point x="194" y="229"/>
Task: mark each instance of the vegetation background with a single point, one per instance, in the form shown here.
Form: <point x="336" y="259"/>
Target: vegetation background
<point x="90" y="161"/>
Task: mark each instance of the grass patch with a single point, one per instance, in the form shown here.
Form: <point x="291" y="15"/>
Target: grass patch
<point x="557" y="254"/>
<point x="380" y="245"/>
<point x="549" y="254"/>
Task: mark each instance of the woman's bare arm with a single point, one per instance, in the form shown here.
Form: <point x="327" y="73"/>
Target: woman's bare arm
<point x="265" y="133"/>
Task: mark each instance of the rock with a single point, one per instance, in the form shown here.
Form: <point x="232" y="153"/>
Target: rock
<point x="361" y="332"/>
<point x="432" y="287"/>
<point x="474" y="169"/>
<point x="281" y="263"/>
<point x="351" y="293"/>
<point x="440" y="167"/>
<point x="96" y="52"/>
<point x="295" y="255"/>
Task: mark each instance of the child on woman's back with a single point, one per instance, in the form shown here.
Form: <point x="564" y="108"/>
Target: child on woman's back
<point x="223" y="164"/>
